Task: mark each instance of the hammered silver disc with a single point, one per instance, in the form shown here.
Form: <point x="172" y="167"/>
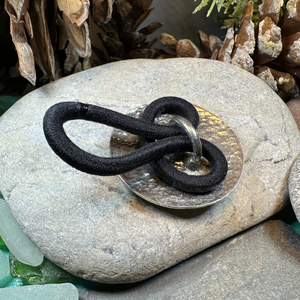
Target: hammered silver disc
<point x="144" y="183"/>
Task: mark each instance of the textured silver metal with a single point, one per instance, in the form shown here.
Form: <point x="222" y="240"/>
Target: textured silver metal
<point x="144" y="183"/>
<point x="195" y="160"/>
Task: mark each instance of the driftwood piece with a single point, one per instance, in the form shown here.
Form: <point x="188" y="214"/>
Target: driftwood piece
<point x="41" y="43"/>
<point x="271" y="9"/>
<point x="245" y="38"/>
<point x="242" y="59"/>
<point x="264" y="73"/>
<point x="227" y="47"/>
<point x="76" y="10"/>
<point x="290" y="23"/>
<point x="269" y="43"/>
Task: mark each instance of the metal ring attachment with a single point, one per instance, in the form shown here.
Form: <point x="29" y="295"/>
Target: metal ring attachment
<point x="195" y="160"/>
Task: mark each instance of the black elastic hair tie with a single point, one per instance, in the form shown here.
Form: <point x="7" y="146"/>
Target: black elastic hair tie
<point x="160" y="140"/>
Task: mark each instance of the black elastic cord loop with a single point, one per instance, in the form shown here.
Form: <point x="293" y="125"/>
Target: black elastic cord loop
<point x="182" y="181"/>
<point x="171" y="138"/>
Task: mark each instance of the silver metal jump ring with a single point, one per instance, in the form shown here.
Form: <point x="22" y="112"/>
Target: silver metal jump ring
<point x="192" y="134"/>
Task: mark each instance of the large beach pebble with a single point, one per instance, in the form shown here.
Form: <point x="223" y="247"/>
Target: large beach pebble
<point x="294" y="106"/>
<point x="252" y="265"/>
<point x="93" y="226"/>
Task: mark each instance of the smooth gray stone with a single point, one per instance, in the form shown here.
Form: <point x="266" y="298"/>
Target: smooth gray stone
<point x="262" y="264"/>
<point x="64" y="291"/>
<point x="16" y="240"/>
<point x="93" y="226"/>
<point x="294" y="187"/>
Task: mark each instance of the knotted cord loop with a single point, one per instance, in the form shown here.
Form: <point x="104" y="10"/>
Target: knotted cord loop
<point x="159" y="141"/>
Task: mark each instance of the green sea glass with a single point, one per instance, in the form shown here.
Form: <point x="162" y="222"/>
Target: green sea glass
<point x="65" y="291"/>
<point x="296" y="226"/>
<point x="45" y="273"/>
<point x="3" y="247"/>
<point x="15" y="239"/>
<point x="17" y="282"/>
<point x="1" y="242"/>
<point x="5" y="276"/>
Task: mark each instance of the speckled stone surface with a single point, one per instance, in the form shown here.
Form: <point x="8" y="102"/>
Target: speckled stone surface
<point x="262" y="264"/>
<point x="294" y="187"/>
<point x="294" y="107"/>
<point x="93" y="226"/>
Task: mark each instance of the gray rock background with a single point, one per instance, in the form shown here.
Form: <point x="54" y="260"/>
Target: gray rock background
<point x="93" y="226"/>
<point x="262" y="264"/>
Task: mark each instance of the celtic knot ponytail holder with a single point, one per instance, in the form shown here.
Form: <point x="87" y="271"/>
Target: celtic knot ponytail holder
<point x="156" y="150"/>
